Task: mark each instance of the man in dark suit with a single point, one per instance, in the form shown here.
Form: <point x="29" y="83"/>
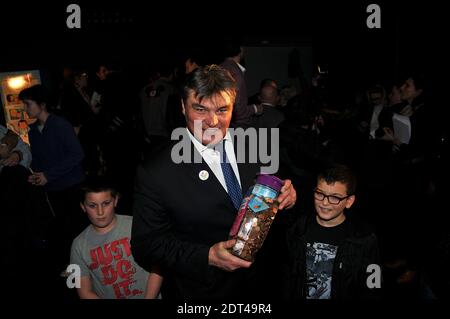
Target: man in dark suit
<point x="243" y="112"/>
<point x="272" y="116"/>
<point x="183" y="212"/>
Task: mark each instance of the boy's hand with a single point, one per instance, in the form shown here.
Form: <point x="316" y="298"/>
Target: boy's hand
<point x="37" y="179"/>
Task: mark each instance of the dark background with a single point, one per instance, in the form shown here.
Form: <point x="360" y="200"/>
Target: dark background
<point x="139" y="35"/>
<point x="36" y="32"/>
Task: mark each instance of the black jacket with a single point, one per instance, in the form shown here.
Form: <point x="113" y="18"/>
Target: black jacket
<point x="177" y="218"/>
<point x="353" y="256"/>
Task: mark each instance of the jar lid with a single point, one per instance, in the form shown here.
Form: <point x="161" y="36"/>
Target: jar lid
<point x="269" y="180"/>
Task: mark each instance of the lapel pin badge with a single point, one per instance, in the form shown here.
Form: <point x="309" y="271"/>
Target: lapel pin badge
<point x="203" y="175"/>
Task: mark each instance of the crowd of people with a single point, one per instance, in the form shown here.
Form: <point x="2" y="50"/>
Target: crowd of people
<point x="363" y="185"/>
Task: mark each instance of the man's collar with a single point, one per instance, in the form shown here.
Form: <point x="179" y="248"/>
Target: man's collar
<point x="241" y="67"/>
<point x="238" y="64"/>
<point x="37" y="123"/>
<point x="199" y="146"/>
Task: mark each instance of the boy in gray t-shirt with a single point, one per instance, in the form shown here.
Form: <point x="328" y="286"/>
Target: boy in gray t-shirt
<point x="103" y="252"/>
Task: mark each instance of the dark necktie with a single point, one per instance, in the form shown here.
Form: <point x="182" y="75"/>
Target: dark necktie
<point x="234" y="190"/>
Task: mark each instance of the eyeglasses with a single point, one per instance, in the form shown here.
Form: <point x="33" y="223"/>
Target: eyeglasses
<point x="334" y="200"/>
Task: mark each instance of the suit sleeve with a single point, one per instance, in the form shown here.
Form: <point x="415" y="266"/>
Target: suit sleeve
<point x="153" y="240"/>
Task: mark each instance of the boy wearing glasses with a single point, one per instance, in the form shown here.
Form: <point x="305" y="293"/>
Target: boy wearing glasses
<point x="329" y="251"/>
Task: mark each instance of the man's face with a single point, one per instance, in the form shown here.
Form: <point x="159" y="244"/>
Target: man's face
<point x="395" y="96"/>
<point x="82" y="80"/>
<point x="409" y="91"/>
<point x="212" y="115"/>
<point x="376" y="98"/>
<point x="100" y="208"/>
<point x="329" y="214"/>
<point x="32" y="108"/>
<point x="102" y="72"/>
<point x="190" y="66"/>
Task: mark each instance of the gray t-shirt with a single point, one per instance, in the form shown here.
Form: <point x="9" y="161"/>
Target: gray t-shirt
<point x="107" y="259"/>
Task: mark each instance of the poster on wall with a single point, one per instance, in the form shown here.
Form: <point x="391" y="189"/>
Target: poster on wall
<point x="11" y="84"/>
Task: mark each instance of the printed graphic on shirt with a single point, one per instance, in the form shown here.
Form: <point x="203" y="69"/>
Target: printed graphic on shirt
<point x="113" y="260"/>
<point x="319" y="269"/>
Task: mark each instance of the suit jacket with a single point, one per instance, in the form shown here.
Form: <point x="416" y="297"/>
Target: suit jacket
<point x="242" y="112"/>
<point x="358" y="250"/>
<point x="178" y="217"/>
<point x="270" y="118"/>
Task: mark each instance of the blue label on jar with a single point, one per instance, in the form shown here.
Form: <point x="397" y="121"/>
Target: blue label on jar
<point x="257" y="203"/>
<point x="261" y="190"/>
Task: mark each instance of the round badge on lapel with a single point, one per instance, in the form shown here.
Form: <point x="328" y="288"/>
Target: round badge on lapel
<point x="203" y="175"/>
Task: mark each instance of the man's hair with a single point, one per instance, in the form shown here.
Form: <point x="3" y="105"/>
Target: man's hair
<point x="418" y="76"/>
<point x="36" y="93"/>
<point x="268" y="93"/>
<point x="206" y="81"/>
<point x="420" y="81"/>
<point x="377" y="88"/>
<point x="267" y="82"/>
<point x="341" y="174"/>
<point x="97" y="184"/>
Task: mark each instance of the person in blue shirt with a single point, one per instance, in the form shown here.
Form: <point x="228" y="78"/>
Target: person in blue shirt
<point x="56" y="171"/>
<point x="55" y="149"/>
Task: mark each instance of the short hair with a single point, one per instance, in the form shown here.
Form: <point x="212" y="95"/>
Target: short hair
<point x="341" y="174"/>
<point x="268" y="92"/>
<point x="206" y="81"/>
<point x="36" y="93"/>
<point x="418" y="76"/>
<point x="267" y="82"/>
<point x="420" y="81"/>
<point x="377" y="88"/>
<point x="97" y="184"/>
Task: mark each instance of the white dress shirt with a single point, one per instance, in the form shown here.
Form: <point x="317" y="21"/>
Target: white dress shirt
<point x="241" y="67"/>
<point x="212" y="158"/>
<point x="374" y="124"/>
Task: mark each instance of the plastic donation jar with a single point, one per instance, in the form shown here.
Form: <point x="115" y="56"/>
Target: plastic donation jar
<point x="255" y="216"/>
